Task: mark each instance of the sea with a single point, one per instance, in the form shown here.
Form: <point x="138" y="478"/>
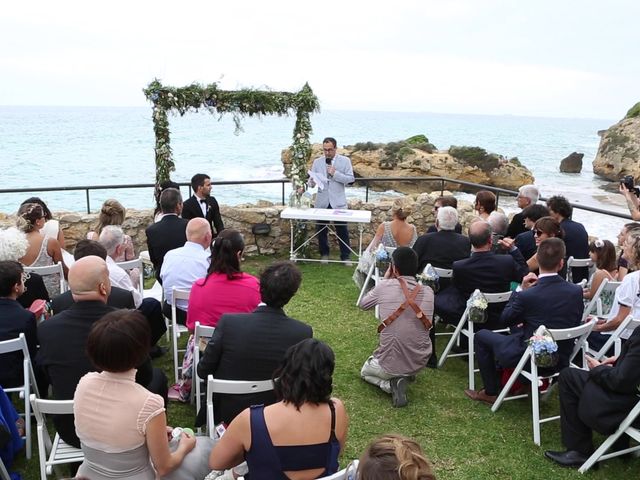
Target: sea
<point x="78" y="146"/>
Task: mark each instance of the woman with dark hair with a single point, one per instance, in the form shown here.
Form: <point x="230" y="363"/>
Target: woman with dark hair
<point x="545" y="227"/>
<point x="485" y="204"/>
<point x="51" y="227"/>
<point x="122" y="426"/>
<point x="603" y="256"/>
<point x="225" y="289"/>
<point x="302" y="435"/>
<point x="394" y="457"/>
<point x="42" y="251"/>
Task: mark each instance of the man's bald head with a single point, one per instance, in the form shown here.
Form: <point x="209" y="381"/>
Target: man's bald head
<point x="199" y="231"/>
<point x="480" y="235"/>
<point x="89" y="279"/>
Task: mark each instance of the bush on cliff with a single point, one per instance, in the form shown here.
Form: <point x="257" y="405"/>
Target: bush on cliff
<point x="634" y="111"/>
<point x="475" y="156"/>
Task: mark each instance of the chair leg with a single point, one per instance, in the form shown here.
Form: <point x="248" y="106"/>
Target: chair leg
<point x="535" y="403"/>
<point x="600" y="451"/>
<point x="454" y="338"/>
<point x="472" y="363"/>
<point x="512" y="379"/>
<point x="174" y="335"/>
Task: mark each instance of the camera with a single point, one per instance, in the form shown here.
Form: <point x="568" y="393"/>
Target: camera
<point x="629" y="183"/>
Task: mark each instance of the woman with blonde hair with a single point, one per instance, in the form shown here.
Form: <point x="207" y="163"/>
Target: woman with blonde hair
<point x="113" y="213"/>
<point x="397" y="232"/>
<point x="394" y="457"/>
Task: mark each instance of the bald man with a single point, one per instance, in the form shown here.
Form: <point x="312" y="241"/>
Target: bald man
<point x="184" y="265"/>
<point x="63" y="338"/>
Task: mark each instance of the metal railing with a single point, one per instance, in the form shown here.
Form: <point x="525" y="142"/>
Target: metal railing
<point x="284" y="181"/>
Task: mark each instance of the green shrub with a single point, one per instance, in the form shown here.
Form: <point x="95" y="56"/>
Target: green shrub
<point x="426" y="147"/>
<point x="366" y="146"/>
<point x="476" y="156"/>
<point x="416" y="140"/>
<point x="516" y="161"/>
<point x="634" y="111"/>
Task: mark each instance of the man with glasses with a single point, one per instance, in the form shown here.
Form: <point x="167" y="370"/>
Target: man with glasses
<point x="333" y="172"/>
<point x="527" y="196"/>
<point x="444" y="201"/>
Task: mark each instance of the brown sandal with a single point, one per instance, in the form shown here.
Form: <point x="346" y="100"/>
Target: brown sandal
<point x="20" y="426"/>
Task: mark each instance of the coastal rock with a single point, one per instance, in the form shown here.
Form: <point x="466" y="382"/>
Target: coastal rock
<point x="572" y="163"/>
<point x="619" y="151"/>
<point x="374" y="160"/>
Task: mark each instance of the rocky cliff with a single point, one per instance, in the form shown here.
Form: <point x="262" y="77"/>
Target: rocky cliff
<point x="619" y="151"/>
<point x="410" y="159"/>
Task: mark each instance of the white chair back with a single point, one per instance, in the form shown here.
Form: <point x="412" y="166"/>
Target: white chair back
<point x="347" y="473"/>
<point x="201" y="331"/>
<point x="614" y="339"/>
<point x="442" y="272"/>
<point x="177" y="329"/>
<point x="130" y="265"/>
<point x="45" y="271"/>
<point x="576" y="263"/>
<point x="56" y="452"/>
<point x="231" y="387"/>
<point x="602" y="300"/>
<point x="29" y="384"/>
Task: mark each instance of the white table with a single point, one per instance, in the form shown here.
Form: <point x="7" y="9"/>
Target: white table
<point x="312" y="215"/>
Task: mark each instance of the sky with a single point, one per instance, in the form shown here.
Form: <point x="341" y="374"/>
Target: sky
<point x="570" y="58"/>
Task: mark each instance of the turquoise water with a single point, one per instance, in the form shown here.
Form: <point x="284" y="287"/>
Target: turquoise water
<point x="62" y="146"/>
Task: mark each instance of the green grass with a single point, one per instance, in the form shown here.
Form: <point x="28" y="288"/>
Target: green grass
<point x="463" y="439"/>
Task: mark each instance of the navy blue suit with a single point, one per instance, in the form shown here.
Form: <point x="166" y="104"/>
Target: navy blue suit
<point x="552" y="302"/>
<point x="526" y="242"/>
<point x="486" y="271"/>
<point x="14" y="320"/>
<point x="576" y="240"/>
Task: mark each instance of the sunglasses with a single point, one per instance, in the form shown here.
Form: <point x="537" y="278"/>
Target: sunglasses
<point x="538" y="233"/>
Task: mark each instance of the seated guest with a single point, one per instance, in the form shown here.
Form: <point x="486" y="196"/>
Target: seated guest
<point x="157" y="212"/>
<point x="121" y="425"/>
<point x="623" y="265"/>
<point x="184" y="265"/>
<point x="42" y="251"/>
<point x="546" y="227"/>
<point x="118" y="298"/>
<point x="169" y="232"/>
<point x="14" y="320"/>
<point x="63" y="340"/>
<point x="225" y="289"/>
<point x="527" y="196"/>
<point x="406" y="310"/>
<point x="526" y="241"/>
<point x="547" y="299"/>
<point x="575" y="236"/>
<point x="250" y="346"/>
<point x="13" y="245"/>
<point x="499" y="224"/>
<point x="394" y="457"/>
<point x="485" y="204"/>
<point x="603" y="256"/>
<point x="271" y="439"/>
<point x="445" y="201"/>
<point x="51" y="227"/>
<point x="397" y="232"/>
<point x="484" y="270"/>
<point x="597" y="399"/>
<point x="626" y="300"/>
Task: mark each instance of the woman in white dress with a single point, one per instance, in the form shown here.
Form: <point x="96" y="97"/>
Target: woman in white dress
<point x="51" y="227"/>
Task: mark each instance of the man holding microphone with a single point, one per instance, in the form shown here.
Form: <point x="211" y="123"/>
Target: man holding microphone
<point x="333" y="172"/>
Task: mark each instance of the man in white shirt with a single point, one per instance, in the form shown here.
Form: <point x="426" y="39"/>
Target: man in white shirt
<point x="184" y="265"/>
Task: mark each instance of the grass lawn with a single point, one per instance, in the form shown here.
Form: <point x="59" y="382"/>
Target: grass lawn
<point x="463" y="439"/>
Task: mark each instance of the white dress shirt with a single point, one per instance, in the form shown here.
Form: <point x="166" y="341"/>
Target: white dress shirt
<point x="181" y="267"/>
<point x="120" y="278"/>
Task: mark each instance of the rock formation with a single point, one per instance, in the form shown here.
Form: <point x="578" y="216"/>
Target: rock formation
<point x="407" y="159"/>
<point x="572" y="163"/>
<point x="619" y="151"/>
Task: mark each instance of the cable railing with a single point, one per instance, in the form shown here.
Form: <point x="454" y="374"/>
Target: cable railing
<point x="365" y="181"/>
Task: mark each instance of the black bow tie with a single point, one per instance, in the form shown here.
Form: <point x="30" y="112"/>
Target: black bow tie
<point x="203" y="200"/>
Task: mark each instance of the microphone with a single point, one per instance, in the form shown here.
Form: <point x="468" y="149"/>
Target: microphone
<point x="328" y="160"/>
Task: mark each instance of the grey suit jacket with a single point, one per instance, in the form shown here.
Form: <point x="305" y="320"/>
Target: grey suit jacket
<point x="333" y="194"/>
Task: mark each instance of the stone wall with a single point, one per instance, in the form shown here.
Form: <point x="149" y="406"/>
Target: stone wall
<point x="243" y="217"/>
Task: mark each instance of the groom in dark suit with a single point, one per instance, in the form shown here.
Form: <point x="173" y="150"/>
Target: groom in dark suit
<point x="547" y="300"/>
<point x="202" y="204"/>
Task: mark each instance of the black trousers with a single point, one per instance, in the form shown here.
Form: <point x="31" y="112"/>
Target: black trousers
<point x="181" y="315"/>
<point x="152" y="310"/>
<point x="576" y="435"/>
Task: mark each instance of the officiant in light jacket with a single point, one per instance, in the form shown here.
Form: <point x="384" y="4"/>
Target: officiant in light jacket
<point x="334" y="172"/>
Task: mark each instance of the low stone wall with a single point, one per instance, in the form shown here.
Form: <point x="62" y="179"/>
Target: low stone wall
<point x="244" y="217"/>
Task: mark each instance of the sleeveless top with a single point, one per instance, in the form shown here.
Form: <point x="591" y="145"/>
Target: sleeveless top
<point x="52" y="282"/>
<point x="268" y="461"/>
<point x="388" y="239"/>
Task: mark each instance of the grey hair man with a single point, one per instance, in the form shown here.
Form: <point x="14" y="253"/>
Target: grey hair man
<point x="527" y="195"/>
<point x="112" y="239"/>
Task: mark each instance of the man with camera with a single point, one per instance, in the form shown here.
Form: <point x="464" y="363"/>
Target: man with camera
<point x="631" y="194"/>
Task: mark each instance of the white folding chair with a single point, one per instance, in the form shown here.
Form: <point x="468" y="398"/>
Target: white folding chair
<point x="347" y="473"/>
<point x="442" y="272"/>
<point x="575" y="263"/>
<point x="55" y="452"/>
<point x="29" y="385"/>
<point x="602" y="300"/>
<point x="130" y="265"/>
<point x="4" y="474"/>
<point x="615" y="339"/>
<point x="201" y="331"/>
<point x="625" y="428"/>
<point x="500" y="297"/>
<point x="231" y="387"/>
<point x="176" y="328"/>
<point x="55" y="269"/>
<point x="579" y="335"/>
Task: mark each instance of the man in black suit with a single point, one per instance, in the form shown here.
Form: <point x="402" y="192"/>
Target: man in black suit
<point x="249" y="346"/>
<point x="526" y="241"/>
<point x="202" y="204"/>
<point x="575" y="236"/>
<point x="170" y="232"/>
<point x="484" y="270"/>
<point x="597" y="399"/>
<point x="63" y="339"/>
<point x="548" y="300"/>
<point x="118" y="298"/>
<point x="527" y="196"/>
